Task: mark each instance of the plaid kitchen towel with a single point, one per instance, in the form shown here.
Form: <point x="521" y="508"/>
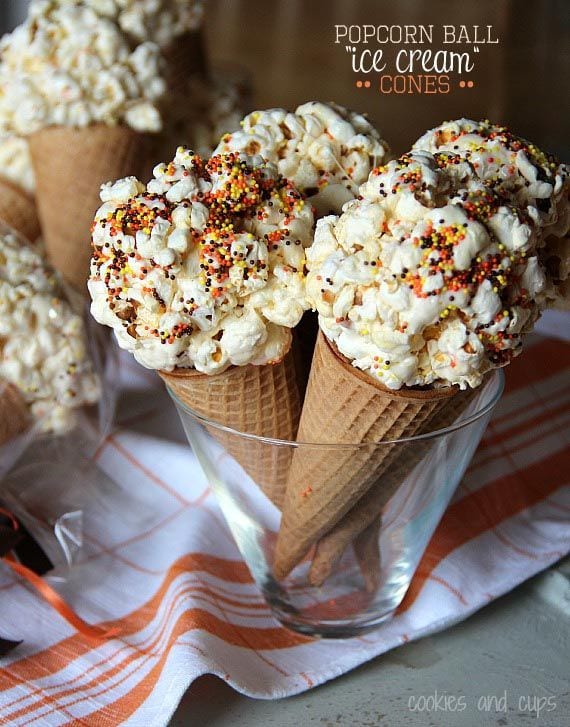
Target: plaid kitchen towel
<point x="160" y="566"/>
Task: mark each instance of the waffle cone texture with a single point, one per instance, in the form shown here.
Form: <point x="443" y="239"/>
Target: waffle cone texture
<point x="69" y="166"/>
<point x="343" y="405"/>
<point x="362" y="523"/>
<point x="259" y="400"/>
<point x="18" y="210"/>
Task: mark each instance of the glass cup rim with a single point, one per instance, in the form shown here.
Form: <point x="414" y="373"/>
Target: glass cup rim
<point x="497" y="379"/>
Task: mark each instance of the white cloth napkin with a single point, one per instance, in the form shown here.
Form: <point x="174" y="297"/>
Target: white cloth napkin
<point x="160" y="564"/>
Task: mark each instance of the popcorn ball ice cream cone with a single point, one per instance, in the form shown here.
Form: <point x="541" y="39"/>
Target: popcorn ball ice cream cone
<point x="201" y="275"/>
<point x="44" y="351"/>
<point x="422" y="285"/>
<point x="85" y="97"/>
<point x="532" y="180"/>
<point x="326" y="150"/>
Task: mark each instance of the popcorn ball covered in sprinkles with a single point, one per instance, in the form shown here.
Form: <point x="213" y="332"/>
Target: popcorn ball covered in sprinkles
<point x="526" y="177"/>
<point x="324" y="148"/>
<point x="511" y="166"/>
<point x="204" y="267"/>
<point x="429" y="277"/>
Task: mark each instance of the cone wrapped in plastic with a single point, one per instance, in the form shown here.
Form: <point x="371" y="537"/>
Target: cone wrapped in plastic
<point x="14" y="413"/>
<point x="69" y="166"/>
<point x="342" y="405"/>
<point x="18" y="210"/>
<point x="260" y="400"/>
<point x="362" y="523"/>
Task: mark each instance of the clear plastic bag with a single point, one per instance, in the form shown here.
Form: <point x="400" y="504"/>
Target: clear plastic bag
<point x="45" y="470"/>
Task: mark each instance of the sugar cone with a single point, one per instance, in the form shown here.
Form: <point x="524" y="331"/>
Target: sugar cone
<point x="14" y="413"/>
<point x="260" y="400"/>
<point x="18" y="210"/>
<point x="362" y="522"/>
<point x="342" y="405"/>
<point x="70" y="165"/>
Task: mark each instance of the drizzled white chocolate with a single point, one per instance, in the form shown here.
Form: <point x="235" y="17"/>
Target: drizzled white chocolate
<point x="43" y="349"/>
<point x="326" y="150"/>
<point x="516" y="169"/>
<point x="204" y="266"/>
<point x="68" y="66"/>
<point x="429" y="278"/>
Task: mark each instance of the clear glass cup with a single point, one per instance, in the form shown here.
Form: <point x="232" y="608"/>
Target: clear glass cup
<point x="362" y="591"/>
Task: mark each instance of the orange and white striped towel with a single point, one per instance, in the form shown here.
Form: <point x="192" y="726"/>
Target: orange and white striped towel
<point x="161" y="566"/>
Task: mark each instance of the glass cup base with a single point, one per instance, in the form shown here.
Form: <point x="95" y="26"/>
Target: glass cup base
<point x="345" y="590"/>
<point x="319" y="624"/>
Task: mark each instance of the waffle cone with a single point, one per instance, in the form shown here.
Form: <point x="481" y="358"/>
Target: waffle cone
<point x="70" y="165"/>
<point x="260" y="400"/>
<point x="18" y="210"/>
<point x="342" y="405"/>
<point x="362" y="523"/>
<point x="14" y="413"/>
